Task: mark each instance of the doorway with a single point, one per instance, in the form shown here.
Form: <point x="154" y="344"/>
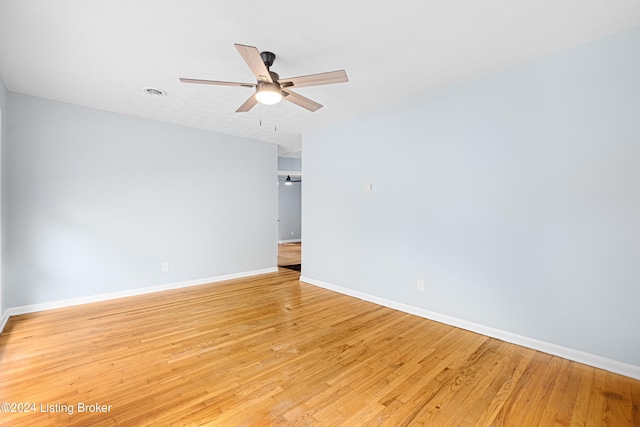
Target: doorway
<point x="290" y="220"/>
<point x="1" y="236"/>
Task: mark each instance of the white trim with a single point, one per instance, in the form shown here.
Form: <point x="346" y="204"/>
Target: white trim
<point x="13" y="311"/>
<point x="3" y="320"/>
<point x="610" y="365"/>
<point x="290" y="241"/>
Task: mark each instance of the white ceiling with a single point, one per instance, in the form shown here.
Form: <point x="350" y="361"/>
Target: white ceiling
<point x="103" y="53"/>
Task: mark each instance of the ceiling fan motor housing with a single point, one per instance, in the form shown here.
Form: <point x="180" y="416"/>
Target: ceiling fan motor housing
<point x="268" y="58"/>
<point x="274" y="76"/>
<point x="266" y="86"/>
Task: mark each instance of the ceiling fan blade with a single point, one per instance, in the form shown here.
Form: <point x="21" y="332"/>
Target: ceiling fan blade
<point x="301" y="101"/>
<point x="253" y="59"/>
<point x="248" y="104"/>
<point x="217" y="83"/>
<point x="330" y="77"/>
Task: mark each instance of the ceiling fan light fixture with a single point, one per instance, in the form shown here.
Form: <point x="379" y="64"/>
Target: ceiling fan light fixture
<point x="268" y="93"/>
<point x="288" y="181"/>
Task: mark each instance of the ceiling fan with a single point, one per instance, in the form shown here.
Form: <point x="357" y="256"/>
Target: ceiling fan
<point x="270" y="88"/>
<point x="289" y="181"/>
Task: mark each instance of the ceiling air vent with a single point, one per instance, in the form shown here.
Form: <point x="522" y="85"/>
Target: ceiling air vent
<point x="154" y="92"/>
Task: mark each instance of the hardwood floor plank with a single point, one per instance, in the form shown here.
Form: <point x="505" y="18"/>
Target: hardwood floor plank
<point x="504" y="381"/>
<point x="270" y="350"/>
<point x="619" y="408"/>
<point x="564" y="390"/>
<point x="585" y="374"/>
<point x="635" y="402"/>
<point x="529" y="400"/>
<point x="478" y="383"/>
<point x="289" y="253"/>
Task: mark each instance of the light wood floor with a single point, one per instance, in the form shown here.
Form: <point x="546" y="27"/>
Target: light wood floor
<point x="270" y="350"/>
<point x="289" y="253"/>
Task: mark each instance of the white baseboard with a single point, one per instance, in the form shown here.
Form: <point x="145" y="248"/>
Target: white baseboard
<point x="4" y="317"/>
<point x="610" y="365"/>
<point x="289" y="241"/>
<point x="31" y="308"/>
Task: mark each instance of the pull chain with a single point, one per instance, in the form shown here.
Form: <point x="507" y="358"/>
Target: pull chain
<point x="275" y="124"/>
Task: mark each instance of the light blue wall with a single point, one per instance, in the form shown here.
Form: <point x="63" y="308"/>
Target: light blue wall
<point x="289" y="211"/>
<point x="96" y="202"/>
<point x="289" y="202"/>
<point x="3" y="94"/>
<point x="515" y="196"/>
<point x="3" y="109"/>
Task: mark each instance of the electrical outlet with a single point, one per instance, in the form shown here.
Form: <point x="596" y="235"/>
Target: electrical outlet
<point x="165" y="267"/>
<point x="420" y="285"/>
